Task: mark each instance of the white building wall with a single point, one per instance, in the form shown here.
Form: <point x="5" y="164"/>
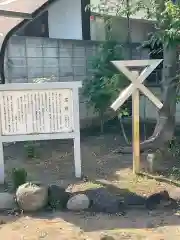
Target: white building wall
<point x="65" y="20"/>
<point x="139" y="30"/>
<point x="97" y="27"/>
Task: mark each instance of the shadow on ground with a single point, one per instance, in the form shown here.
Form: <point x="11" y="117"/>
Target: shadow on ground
<point x="136" y="221"/>
<point x="136" y="217"/>
<point x="55" y="163"/>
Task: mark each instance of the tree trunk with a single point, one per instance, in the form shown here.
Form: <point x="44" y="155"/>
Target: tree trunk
<point x="164" y="129"/>
<point x="129" y="40"/>
<point x="123" y="131"/>
<point x="101" y="114"/>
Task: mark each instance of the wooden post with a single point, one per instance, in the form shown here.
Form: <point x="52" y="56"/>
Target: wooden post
<point x="136" y="133"/>
<point x="133" y="89"/>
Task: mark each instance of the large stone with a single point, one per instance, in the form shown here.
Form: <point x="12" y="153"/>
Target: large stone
<point x="7" y="201"/>
<point x="31" y="197"/>
<point x="57" y="197"/>
<point x="78" y="202"/>
<point x="175" y="194"/>
<point x="104" y="201"/>
<point x="107" y="238"/>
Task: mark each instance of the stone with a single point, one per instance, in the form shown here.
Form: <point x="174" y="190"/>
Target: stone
<point x="133" y="200"/>
<point x="57" y="197"/>
<point x="78" y="202"/>
<point x="31" y="197"/>
<point x="151" y="157"/>
<point x="7" y="201"/>
<point x="175" y="194"/>
<point x="104" y="201"/>
<point x="107" y="238"/>
<point x="150" y="224"/>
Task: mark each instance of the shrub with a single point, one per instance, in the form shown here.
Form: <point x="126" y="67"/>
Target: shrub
<point x="31" y="149"/>
<point x="19" y="177"/>
<point x="103" y="86"/>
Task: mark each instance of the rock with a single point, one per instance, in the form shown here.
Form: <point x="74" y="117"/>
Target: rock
<point x="31" y="197"/>
<point x="7" y="201"/>
<point x="150" y="224"/>
<point x="151" y="157"/>
<point x="104" y="201"/>
<point x="2" y="222"/>
<point x="175" y="194"/>
<point x="107" y="238"/>
<point x="57" y="197"/>
<point x="134" y="201"/>
<point x="177" y="213"/>
<point x="173" y="204"/>
<point x="78" y="202"/>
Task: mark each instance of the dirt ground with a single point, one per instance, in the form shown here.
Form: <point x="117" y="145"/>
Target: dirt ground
<point x="103" y="168"/>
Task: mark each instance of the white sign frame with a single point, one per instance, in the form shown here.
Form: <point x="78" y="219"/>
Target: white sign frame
<point x="75" y="134"/>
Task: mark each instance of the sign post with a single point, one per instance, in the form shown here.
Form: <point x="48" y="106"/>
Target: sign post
<point x="134" y="89"/>
<point x="135" y="127"/>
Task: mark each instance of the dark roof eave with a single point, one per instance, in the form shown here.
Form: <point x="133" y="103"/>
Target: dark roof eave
<point x="14" y="14"/>
<point x="22" y="23"/>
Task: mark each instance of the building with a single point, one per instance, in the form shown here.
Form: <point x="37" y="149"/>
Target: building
<point x="55" y="46"/>
<point x="64" y="19"/>
<point x="69" y="19"/>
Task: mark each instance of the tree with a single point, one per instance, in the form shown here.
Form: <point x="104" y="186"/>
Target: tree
<point x="167" y="25"/>
<point x="108" y="9"/>
<point x="168" y="22"/>
<point x="128" y="15"/>
<point x="102" y="87"/>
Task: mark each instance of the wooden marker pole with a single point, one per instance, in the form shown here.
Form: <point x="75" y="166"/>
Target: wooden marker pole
<point x="133" y="89"/>
<point x="135" y="127"/>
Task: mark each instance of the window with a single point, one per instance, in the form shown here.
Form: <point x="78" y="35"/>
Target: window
<point x="36" y="28"/>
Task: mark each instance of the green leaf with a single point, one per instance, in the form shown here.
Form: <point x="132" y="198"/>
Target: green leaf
<point x="106" y="81"/>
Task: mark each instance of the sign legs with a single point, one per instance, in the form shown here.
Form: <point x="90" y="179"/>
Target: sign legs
<point x="77" y="145"/>
<point x="77" y="157"/>
<point x="2" y="171"/>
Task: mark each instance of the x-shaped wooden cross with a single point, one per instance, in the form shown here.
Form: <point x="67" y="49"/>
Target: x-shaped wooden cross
<point x="133" y="89"/>
<point x="137" y="81"/>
